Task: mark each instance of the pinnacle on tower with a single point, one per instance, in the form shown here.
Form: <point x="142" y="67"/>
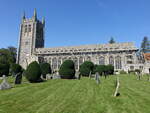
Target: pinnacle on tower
<point x="35" y="14"/>
<point x="43" y="20"/>
<point x="23" y="17"/>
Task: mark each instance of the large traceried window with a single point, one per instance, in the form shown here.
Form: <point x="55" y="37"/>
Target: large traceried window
<point x="49" y="61"/>
<point x="29" y="28"/>
<point x="111" y="60"/>
<point x="25" y="28"/>
<point x="118" y="64"/>
<point x="102" y="60"/>
<point x="69" y="58"/>
<point x="75" y="62"/>
<point x="63" y="59"/>
<point x="80" y="60"/>
<point x="88" y="58"/>
<point x="59" y="62"/>
<point x="54" y="63"/>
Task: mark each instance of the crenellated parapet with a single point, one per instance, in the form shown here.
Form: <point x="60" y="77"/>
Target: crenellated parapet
<point x="88" y="48"/>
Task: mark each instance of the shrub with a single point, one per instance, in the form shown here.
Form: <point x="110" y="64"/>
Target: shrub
<point x="94" y="69"/>
<point x="109" y="69"/>
<point x="45" y="69"/>
<point x="33" y="72"/>
<point x="67" y="70"/>
<point x="86" y="68"/>
<point x="101" y="69"/>
<point x="4" y="69"/>
<point x="105" y="69"/>
<point x="123" y="72"/>
<point x="15" y="68"/>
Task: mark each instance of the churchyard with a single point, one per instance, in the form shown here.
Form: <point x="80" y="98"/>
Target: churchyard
<point x="77" y="96"/>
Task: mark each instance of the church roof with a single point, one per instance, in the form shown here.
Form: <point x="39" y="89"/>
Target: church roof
<point x="89" y="48"/>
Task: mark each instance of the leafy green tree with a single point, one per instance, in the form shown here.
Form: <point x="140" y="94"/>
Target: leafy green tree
<point x="105" y="69"/>
<point x="111" y="41"/>
<point x="86" y="68"/>
<point x="45" y="69"/>
<point x="94" y="69"/>
<point x="15" y="69"/>
<point x="6" y="56"/>
<point x="101" y="69"/>
<point x="145" y="45"/>
<point x="67" y="70"/>
<point x="4" y="69"/>
<point x="13" y="52"/>
<point x="33" y="72"/>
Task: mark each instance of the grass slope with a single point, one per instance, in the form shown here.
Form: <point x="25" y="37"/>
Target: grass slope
<point x="78" y="96"/>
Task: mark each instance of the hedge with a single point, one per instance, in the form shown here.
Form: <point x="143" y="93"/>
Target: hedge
<point x="33" y="72"/>
<point x="67" y="70"/>
<point x="86" y="68"/>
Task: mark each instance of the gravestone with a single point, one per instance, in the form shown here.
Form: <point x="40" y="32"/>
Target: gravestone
<point x="97" y="78"/>
<point x="4" y="84"/>
<point x="48" y="76"/>
<point x="56" y="77"/>
<point x="138" y="74"/>
<point x="90" y="74"/>
<point x="77" y="75"/>
<point x="18" y="78"/>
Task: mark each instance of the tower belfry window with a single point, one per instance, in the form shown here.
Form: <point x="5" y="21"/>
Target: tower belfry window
<point x="25" y="28"/>
<point x="29" y="28"/>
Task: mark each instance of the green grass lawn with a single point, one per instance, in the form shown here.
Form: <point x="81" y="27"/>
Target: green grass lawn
<point x="78" y="96"/>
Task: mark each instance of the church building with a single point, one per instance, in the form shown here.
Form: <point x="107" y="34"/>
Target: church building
<point x="31" y="48"/>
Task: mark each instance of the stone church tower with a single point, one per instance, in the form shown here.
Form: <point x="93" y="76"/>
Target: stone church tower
<point x="31" y="37"/>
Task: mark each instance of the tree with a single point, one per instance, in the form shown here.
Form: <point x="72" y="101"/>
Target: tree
<point x="13" y="52"/>
<point x="15" y="69"/>
<point x="7" y="56"/>
<point x="111" y="41"/>
<point x="94" y="69"/>
<point x="145" y="45"/>
<point x="105" y="70"/>
<point x="33" y="72"/>
<point x="45" y="69"/>
<point x="86" y="68"/>
<point x="67" y="70"/>
<point x="100" y="69"/>
<point x="109" y="69"/>
<point x="4" y="69"/>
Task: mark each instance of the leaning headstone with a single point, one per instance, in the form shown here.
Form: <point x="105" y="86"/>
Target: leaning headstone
<point x="4" y="84"/>
<point x="117" y="87"/>
<point x="18" y="78"/>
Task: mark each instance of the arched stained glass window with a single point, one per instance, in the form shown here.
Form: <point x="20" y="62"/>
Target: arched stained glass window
<point x="54" y="63"/>
<point x="118" y="64"/>
<point x="75" y="60"/>
<point x="102" y="60"/>
<point x="80" y="60"/>
<point x="111" y="60"/>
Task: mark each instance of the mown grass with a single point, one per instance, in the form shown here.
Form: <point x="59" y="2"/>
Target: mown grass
<point x="78" y="96"/>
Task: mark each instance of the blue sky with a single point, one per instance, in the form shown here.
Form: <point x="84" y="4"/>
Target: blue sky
<point x="78" y="22"/>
